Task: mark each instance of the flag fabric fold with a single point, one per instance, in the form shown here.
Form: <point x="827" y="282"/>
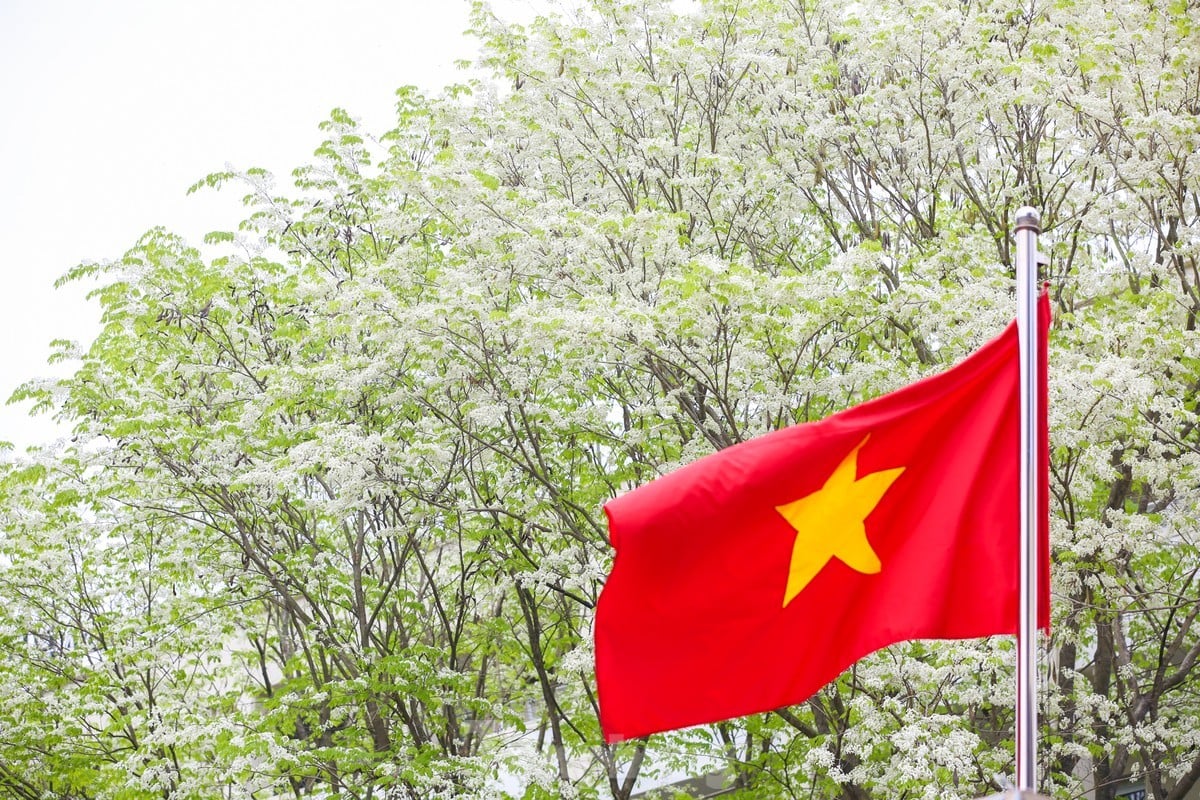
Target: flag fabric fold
<point x="752" y="577"/>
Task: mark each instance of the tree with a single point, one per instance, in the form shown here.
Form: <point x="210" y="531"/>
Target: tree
<point x="355" y="463"/>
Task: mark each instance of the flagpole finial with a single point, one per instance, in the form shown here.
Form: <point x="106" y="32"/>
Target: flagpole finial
<point x="1029" y="218"/>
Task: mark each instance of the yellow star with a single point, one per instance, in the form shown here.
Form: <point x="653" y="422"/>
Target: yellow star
<point x="829" y="522"/>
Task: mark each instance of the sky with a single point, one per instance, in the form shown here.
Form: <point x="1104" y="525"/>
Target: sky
<point x="110" y="110"/>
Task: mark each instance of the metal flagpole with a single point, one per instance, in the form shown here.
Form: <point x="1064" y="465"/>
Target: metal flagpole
<point x="1029" y="225"/>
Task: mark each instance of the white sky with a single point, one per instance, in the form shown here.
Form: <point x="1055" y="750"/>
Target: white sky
<point x="110" y="110"/>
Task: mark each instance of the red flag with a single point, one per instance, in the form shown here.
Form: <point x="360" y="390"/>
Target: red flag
<point x="749" y="579"/>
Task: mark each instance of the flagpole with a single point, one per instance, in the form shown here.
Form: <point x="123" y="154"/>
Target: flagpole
<point x="1028" y="226"/>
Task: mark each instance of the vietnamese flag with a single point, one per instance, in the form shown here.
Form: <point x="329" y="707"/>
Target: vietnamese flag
<point x="752" y="577"/>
